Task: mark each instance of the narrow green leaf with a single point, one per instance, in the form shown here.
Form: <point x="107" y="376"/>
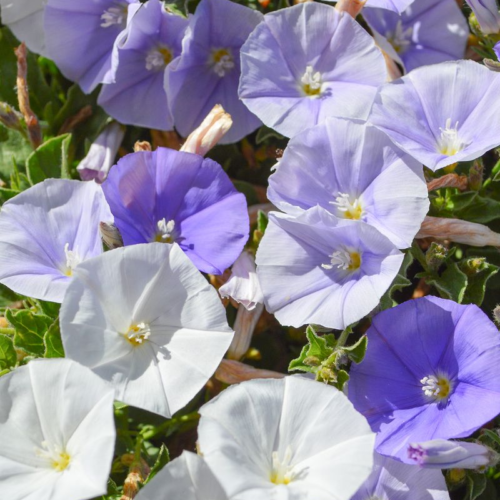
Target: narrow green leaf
<point x="162" y="460"/>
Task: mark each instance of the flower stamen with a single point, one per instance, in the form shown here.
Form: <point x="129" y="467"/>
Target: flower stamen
<point x="350" y="210"/>
<point x="345" y="260"/>
<point x="72" y="260"/>
<point x="282" y="471"/>
<point x="311" y="82"/>
<point x="400" y="39"/>
<point x="166" y="231"/>
<point x="114" y="16"/>
<point x="138" y="333"/>
<point x="449" y="143"/>
<point x="56" y="456"/>
<point x="438" y="387"/>
<point x="222" y="61"/>
<point x="158" y="59"/>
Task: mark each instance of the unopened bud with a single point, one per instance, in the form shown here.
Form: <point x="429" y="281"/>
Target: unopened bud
<point x="110" y="235"/>
<point x="10" y="117"/>
<point x="436" y="255"/>
<point x="244" y="326"/>
<point x="472" y="266"/>
<point x="443" y="454"/>
<point x="459" y="231"/>
<point x="476" y="175"/>
<point x="312" y="361"/>
<point x="352" y="7"/>
<point x="496" y="315"/>
<point x="485" y="17"/>
<point x="209" y="133"/>
<point x="142" y="146"/>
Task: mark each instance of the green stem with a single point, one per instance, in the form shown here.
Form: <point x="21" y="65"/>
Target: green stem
<point x="7" y="331"/>
<point x="184" y="419"/>
<point x="419" y="255"/>
<point x="343" y="337"/>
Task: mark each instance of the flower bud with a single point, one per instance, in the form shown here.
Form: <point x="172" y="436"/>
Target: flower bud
<point x="496" y="315"/>
<point x="476" y="175"/>
<point x="486" y="14"/>
<point x="244" y="326"/>
<point x="110" y="235"/>
<point x="101" y="156"/>
<point x="243" y="284"/>
<point x="459" y="231"/>
<point x="436" y="255"/>
<point x="209" y="133"/>
<point x="10" y="117"/>
<point x="443" y="454"/>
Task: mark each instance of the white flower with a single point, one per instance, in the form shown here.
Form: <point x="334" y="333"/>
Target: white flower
<point x="57" y="432"/>
<point x="25" y="19"/>
<point x="145" y="319"/>
<point x="102" y="153"/>
<point x="290" y="438"/>
<point x="187" y="477"/>
<point x="243" y="284"/>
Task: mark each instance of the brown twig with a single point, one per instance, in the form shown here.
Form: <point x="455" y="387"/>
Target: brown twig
<point x="73" y="121"/>
<point x="32" y="124"/>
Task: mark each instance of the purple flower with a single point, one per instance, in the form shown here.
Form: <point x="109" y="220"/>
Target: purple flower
<point x="102" y="153"/>
<point x="208" y="71"/>
<point x="82" y="37"/>
<point x="442" y="454"/>
<point x="319" y="269"/>
<point x="441" y="114"/>
<point x="429" y="362"/>
<point x="168" y="196"/>
<point x="395" y="5"/>
<point x="427" y="32"/>
<point x="308" y="62"/>
<point x="45" y="232"/>
<point x="376" y="183"/>
<point x="392" y="480"/>
<point x="154" y="39"/>
<point x="487" y="15"/>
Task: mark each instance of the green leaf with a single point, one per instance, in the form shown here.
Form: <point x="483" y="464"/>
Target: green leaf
<point x="316" y="349"/>
<point x="357" y="351"/>
<point x="52" y="340"/>
<point x="65" y="173"/>
<point x="14" y="148"/>
<point x="451" y="284"/>
<point x="248" y="190"/>
<point x="8" y="356"/>
<point x="482" y="210"/>
<point x="476" y="484"/>
<point x="342" y="378"/>
<point x="262" y="221"/>
<point x="476" y="287"/>
<point x="162" y="460"/>
<point x="7" y="296"/>
<point x="400" y="282"/>
<point x="30" y="330"/>
<point x="48" y="160"/>
<point x="266" y="133"/>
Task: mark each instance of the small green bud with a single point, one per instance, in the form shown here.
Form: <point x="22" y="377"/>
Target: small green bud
<point x="326" y="375"/>
<point x="436" y="255"/>
<point x="312" y="361"/>
<point x="10" y="117"/>
<point x="472" y="266"/>
<point x="455" y="478"/>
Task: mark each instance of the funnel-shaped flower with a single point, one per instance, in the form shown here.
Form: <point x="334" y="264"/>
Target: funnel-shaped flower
<point x="82" y="36"/>
<point x="429" y="361"/>
<point x="57" y="432"/>
<point x="208" y="71"/>
<point x="168" y="196"/>
<point x="154" y="39"/>
<point x="319" y="269"/>
<point x="187" y="477"/>
<point x="146" y="320"/>
<point x="354" y="172"/>
<point x="288" y="438"/>
<point x="25" y="20"/>
<point x="306" y="63"/>
<point x="441" y="114"/>
<point x="427" y="32"/>
<point x="46" y="231"/>
<point x="392" y="480"/>
<point x="102" y="154"/>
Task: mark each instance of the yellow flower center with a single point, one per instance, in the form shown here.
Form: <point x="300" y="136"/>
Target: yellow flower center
<point x="138" y="334"/>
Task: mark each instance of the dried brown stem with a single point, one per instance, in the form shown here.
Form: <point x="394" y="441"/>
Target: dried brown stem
<point x="73" y="121"/>
<point x="449" y="181"/>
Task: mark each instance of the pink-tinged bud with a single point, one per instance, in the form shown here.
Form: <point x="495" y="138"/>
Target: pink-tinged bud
<point x="243" y="285"/>
<point x="459" y="231"/>
<point x="442" y="454"/>
<point x="209" y="133"/>
<point x="234" y="372"/>
<point x="244" y="326"/>
<point x="352" y="7"/>
<point x="101" y="156"/>
<point x="487" y="15"/>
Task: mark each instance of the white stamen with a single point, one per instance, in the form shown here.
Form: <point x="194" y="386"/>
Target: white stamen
<point x="113" y="16"/>
<point x="139" y="333"/>
<point x="313" y="81"/>
<point x="282" y="472"/>
<point x="430" y="386"/>
<point x="224" y="65"/>
<point x="401" y="39"/>
<point x="351" y="210"/>
<point x="449" y="143"/>
<point x="72" y="259"/>
<point x="166" y="230"/>
<point x="55" y="455"/>
<point x="341" y="259"/>
<point x="158" y="58"/>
